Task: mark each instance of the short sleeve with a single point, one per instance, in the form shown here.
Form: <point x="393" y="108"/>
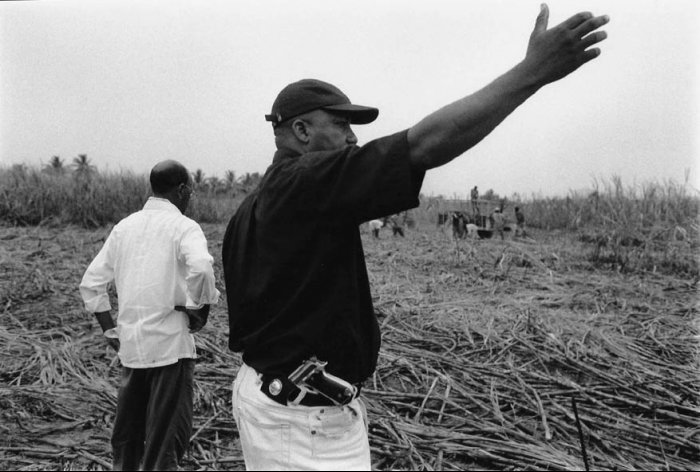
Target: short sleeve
<point x="364" y="182"/>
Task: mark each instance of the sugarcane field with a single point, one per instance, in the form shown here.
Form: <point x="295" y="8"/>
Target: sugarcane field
<point x="570" y="345"/>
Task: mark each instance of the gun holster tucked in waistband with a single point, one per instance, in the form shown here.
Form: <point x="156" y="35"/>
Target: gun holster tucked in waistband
<point x="309" y="385"/>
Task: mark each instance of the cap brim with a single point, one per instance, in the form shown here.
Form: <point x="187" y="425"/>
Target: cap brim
<point x="358" y="114"/>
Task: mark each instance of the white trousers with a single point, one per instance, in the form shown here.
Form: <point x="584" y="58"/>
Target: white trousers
<point x="278" y="437"/>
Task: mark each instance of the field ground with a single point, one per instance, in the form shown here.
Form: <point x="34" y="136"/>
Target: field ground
<point x="497" y="355"/>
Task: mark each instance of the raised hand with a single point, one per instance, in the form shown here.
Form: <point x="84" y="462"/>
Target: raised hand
<point x="556" y="52"/>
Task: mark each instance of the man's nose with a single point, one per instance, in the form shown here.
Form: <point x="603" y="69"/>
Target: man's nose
<point x="351" y="138"/>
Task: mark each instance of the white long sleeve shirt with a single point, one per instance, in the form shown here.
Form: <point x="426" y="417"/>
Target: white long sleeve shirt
<point x="158" y="259"/>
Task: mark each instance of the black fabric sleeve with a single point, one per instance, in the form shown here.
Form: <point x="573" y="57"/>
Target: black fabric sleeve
<point x="362" y="183"/>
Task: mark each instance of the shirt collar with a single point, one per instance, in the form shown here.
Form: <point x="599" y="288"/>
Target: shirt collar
<point x="162" y="204"/>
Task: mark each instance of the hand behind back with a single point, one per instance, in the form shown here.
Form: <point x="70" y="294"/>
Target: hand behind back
<point x="197" y="317"/>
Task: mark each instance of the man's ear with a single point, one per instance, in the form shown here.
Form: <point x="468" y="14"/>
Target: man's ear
<point x="301" y="130"/>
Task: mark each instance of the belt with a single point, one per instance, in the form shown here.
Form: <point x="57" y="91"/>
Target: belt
<point x="282" y="390"/>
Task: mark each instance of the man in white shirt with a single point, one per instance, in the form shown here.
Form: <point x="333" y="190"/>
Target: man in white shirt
<point x="159" y="262"/>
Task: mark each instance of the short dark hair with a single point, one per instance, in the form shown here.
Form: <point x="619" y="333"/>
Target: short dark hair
<point x="167" y="176"/>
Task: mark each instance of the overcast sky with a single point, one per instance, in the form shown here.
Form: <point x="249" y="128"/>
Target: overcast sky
<point x="130" y="83"/>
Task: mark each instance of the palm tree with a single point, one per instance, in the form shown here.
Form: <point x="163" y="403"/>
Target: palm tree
<point x="55" y="166"/>
<point x="198" y="178"/>
<point x="83" y="167"/>
<point x="213" y="184"/>
<point x="250" y="180"/>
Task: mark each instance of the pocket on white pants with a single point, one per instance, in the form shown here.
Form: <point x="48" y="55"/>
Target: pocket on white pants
<point x="265" y="435"/>
<point x="340" y="433"/>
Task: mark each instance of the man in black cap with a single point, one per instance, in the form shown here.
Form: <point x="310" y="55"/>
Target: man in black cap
<point x="299" y="301"/>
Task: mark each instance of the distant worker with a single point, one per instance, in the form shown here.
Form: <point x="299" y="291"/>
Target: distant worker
<point x="498" y="221"/>
<point x="162" y="270"/>
<point x="459" y="224"/>
<point x="375" y="226"/>
<point x="475" y="201"/>
<point x="396" y="226"/>
<point x="519" y="222"/>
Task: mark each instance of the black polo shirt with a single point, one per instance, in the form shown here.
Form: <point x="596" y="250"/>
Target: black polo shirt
<point x="296" y="281"/>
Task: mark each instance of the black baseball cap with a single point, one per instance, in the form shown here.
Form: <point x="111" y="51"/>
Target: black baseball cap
<point x="310" y="94"/>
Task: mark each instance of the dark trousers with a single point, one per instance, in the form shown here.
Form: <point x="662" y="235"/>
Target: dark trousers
<point x="153" y="424"/>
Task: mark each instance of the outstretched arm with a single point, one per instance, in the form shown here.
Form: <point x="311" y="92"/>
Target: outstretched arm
<point x="551" y="55"/>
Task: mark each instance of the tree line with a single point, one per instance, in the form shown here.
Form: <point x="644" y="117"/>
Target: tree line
<point x="83" y="169"/>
